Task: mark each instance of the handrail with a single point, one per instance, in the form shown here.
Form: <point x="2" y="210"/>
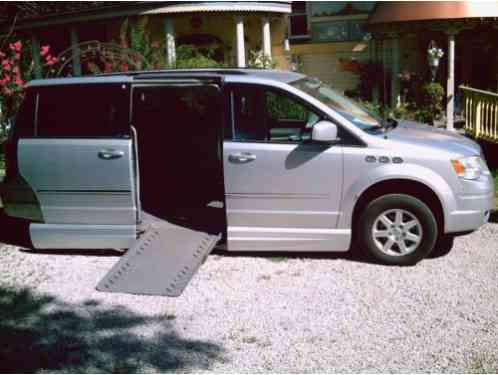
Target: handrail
<point x="481" y="113"/>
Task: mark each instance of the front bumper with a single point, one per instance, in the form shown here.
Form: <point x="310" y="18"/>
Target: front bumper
<point x="473" y="208"/>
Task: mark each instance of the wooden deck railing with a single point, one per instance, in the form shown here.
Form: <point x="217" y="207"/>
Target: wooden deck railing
<point x="481" y="113"/>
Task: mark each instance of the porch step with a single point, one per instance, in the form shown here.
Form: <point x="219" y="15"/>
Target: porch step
<point x="162" y="262"/>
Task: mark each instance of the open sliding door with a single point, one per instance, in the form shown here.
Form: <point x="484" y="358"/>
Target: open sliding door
<point x="79" y="165"/>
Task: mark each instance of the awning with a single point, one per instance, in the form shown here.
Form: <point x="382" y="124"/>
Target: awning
<point x="401" y="11"/>
<point x="224" y="6"/>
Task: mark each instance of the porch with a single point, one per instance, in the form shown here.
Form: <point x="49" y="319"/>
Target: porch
<point x="463" y="30"/>
<point x="231" y="29"/>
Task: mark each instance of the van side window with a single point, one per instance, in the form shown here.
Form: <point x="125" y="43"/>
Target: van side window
<point x="24" y="123"/>
<point x="262" y="114"/>
<point x="83" y="111"/>
<point x="248" y="114"/>
<point x="288" y="120"/>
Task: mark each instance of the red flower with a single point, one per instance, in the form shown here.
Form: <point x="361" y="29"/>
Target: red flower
<point x="19" y="82"/>
<point x="6" y="79"/>
<point x="124" y="67"/>
<point x="44" y="50"/>
<point x="16" y="46"/>
<point x="108" y="67"/>
<point x="6" y="64"/>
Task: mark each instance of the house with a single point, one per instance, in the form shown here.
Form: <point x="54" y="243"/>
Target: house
<point x="330" y="39"/>
<point x="233" y="27"/>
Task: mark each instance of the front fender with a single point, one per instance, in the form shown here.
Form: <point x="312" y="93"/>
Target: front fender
<point x="406" y="171"/>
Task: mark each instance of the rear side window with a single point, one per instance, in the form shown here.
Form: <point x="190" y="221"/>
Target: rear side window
<point x="24" y="123"/>
<point x="83" y="111"/>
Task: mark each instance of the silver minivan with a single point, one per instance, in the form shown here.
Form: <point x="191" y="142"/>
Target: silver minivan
<point x="270" y="160"/>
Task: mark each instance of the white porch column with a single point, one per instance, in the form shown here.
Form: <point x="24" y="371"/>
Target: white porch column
<point x="169" y="33"/>
<point x="239" y="35"/>
<point x="35" y="51"/>
<point x="395" y="70"/>
<point x="265" y="31"/>
<point x="75" y="52"/>
<point x="450" y="84"/>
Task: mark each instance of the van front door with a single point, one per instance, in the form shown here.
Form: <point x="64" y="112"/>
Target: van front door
<point x="283" y="192"/>
<point x="79" y="165"/>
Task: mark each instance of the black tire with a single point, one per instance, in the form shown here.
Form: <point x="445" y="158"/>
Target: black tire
<point x="443" y="246"/>
<point x="426" y="229"/>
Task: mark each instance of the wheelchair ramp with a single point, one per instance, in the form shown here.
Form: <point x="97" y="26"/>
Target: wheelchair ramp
<point x="162" y="262"/>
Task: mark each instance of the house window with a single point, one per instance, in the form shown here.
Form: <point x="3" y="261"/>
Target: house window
<point x="298" y="21"/>
<point x="338" y="31"/>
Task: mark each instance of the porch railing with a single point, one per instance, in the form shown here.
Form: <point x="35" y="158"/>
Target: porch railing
<point x="481" y="113"/>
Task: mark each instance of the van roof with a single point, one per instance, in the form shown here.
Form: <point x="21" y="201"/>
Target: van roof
<point x="129" y="77"/>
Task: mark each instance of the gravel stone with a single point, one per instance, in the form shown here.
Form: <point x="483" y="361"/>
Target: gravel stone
<point x="249" y="313"/>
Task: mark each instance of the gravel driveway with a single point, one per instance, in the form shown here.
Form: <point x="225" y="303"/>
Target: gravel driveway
<point x="256" y="313"/>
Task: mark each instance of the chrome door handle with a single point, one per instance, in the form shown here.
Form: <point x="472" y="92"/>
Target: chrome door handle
<point x="242" y="157"/>
<point x="109" y="154"/>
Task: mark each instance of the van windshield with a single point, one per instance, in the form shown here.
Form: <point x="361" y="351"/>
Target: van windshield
<point x="348" y="108"/>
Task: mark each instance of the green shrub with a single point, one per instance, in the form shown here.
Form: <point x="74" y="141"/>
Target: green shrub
<point x="433" y="94"/>
<point x="189" y="57"/>
<point x="281" y="107"/>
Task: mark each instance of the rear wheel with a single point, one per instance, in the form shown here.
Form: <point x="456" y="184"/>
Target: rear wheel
<point x="397" y="229"/>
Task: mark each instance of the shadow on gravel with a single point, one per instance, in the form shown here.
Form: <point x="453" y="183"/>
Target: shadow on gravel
<point x="277" y="257"/>
<point x="41" y="333"/>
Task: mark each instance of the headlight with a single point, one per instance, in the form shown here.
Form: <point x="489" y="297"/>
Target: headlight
<point x="470" y="168"/>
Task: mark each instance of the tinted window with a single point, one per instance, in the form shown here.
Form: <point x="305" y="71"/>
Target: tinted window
<point x="266" y="115"/>
<point x="83" y="111"/>
<point x="24" y="123"/>
<point x="249" y="121"/>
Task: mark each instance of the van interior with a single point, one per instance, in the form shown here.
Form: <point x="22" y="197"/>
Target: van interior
<point x="179" y="141"/>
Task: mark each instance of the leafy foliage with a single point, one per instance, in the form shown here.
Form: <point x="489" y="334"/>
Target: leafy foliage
<point x="16" y="68"/>
<point x="282" y="107"/>
<point x="259" y="60"/>
<point x="189" y="57"/>
<point x="433" y="94"/>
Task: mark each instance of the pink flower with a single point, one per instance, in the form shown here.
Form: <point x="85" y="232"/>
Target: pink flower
<point x="44" y="50"/>
<point x="6" y="79"/>
<point x="6" y="64"/>
<point x="2" y="55"/>
<point x="7" y="91"/>
<point x="16" y="46"/>
<point x="16" y="70"/>
<point x="17" y="56"/>
<point x="108" y="67"/>
<point x="19" y="82"/>
<point x="124" y="67"/>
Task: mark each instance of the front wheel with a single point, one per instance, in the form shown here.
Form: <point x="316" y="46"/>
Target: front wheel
<point x="397" y="229"/>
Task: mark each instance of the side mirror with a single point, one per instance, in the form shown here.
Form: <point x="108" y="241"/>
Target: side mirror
<point x="324" y="132"/>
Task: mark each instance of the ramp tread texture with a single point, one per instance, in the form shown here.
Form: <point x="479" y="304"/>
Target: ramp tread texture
<point x="162" y="261"/>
